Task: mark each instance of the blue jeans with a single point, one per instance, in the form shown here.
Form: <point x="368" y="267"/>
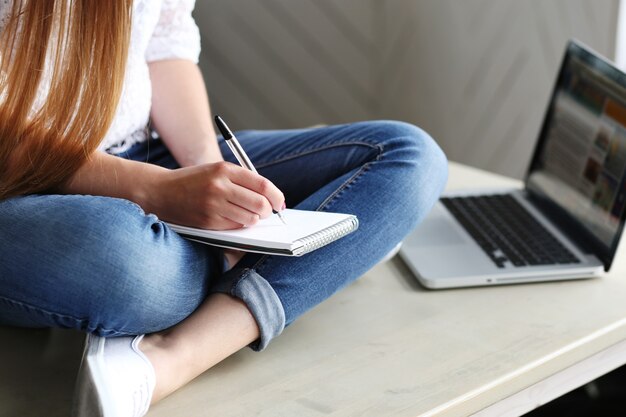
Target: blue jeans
<point x="102" y="265"/>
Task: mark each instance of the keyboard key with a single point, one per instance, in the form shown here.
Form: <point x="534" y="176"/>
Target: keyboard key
<point x="505" y="231"/>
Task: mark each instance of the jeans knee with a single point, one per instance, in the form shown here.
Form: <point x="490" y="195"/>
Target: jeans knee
<point x="138" y="305"/>
<point x="107" y="235"/>
<point x="405" y="141"/>
<point x="417" y="165"/>
<point x="145" y="292"/>
<point x="416" y="150"/>
<point x="154" y="278"/>
<point x="434" y="162"/>
<point x="135" y="274"/>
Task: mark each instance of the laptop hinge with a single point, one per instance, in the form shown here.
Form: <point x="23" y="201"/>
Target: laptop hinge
<point x="571" y="228"/>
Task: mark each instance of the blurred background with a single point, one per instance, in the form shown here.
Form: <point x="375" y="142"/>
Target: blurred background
<point x="476" y="74"/>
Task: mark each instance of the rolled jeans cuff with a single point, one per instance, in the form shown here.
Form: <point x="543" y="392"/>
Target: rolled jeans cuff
<point x="260" y="298"/>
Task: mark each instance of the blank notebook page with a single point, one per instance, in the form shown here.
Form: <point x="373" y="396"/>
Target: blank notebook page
<point x="271" y="232"/>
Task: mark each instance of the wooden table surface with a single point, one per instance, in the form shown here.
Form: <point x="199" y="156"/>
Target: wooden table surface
<point x="384" y="346"/>
<point x="387" y="347"/>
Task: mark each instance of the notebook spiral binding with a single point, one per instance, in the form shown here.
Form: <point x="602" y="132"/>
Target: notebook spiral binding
<point x="328" y="235"/>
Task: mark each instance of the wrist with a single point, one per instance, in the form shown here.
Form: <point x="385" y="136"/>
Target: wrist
<point x="148" y="192"/>
<point x="204" y="151"/>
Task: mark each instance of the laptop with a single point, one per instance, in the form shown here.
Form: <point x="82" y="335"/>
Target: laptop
<point x="567" y="220"/>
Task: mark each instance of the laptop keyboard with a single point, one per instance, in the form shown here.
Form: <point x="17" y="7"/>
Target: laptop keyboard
<point x="507" y="232"/>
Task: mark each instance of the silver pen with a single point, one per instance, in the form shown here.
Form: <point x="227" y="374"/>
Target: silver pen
<point x="238" y="151"/>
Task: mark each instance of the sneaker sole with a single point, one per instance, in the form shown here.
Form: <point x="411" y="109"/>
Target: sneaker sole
<point x="91" y="398"/>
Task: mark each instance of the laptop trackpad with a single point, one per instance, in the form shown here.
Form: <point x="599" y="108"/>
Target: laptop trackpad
<point x="436" y="231"/>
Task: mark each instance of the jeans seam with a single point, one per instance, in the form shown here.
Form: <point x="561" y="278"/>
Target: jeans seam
<point x="36" y="309"/>
<point x="261" y="260"/>
<point x="134" y="205"/>
<point x="243" y="276"/>
<point x="324" y="204"/>
<point x="317" y="149"/>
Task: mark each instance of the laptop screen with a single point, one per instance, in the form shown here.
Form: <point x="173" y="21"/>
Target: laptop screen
<point x="580" y="163"/>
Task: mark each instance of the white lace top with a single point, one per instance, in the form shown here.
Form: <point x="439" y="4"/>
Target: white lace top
<point x="161" y="30"/>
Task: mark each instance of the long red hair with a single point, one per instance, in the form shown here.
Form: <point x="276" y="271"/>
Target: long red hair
<point x="82" y="45"/>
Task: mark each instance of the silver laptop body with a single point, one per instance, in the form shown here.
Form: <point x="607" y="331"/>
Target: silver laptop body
<point x="575" y="188"/>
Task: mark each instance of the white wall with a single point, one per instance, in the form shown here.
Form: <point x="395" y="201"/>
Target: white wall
<point x="620" y="41"/>
<point x="476" y="74"/>
<point x="289" y="63"/>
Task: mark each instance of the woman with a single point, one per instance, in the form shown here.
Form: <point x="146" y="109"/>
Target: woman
<point x="84" y="191"/>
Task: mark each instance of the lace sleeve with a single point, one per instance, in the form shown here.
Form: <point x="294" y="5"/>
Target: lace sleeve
<point x="176" y="35"/>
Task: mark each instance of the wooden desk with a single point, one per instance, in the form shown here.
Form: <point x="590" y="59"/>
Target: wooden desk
<point x="387" y="347"/>
<point x="382" y="347"/>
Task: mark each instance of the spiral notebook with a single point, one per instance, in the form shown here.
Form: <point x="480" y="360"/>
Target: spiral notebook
<point x="304" y="232"/>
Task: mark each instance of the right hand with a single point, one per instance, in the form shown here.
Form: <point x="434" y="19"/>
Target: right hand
<point x="216" y="196"/>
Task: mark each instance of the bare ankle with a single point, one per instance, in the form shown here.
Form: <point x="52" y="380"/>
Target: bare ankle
<point x="219" y="327"/>
<point x="233" y="256"/>
<point x="155" y="347"/>
<point x="168" y="355"/>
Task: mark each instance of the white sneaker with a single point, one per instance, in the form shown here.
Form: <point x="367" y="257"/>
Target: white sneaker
<point x="115" y="379"/>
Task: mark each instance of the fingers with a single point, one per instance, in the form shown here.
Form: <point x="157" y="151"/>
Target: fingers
<point x="260" y="185"/>
<point x="249" y="200"/>
<point x="223" y="224"/>
<point x="236" y="217"/>
<point x="220" y="196"/>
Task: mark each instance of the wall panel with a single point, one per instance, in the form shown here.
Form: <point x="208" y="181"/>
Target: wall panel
<point x="476" y="74"/>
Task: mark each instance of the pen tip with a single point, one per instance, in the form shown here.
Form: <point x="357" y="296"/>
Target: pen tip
<point x="282" y="219"/>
